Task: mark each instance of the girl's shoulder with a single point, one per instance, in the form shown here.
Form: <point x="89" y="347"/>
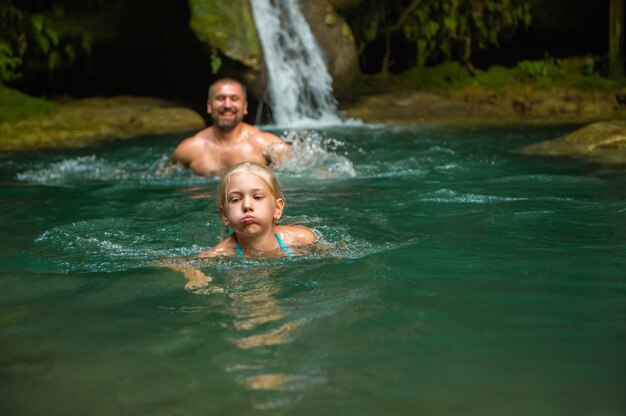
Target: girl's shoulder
<point x="225" y="248"/>
<point x="295" y="235"/>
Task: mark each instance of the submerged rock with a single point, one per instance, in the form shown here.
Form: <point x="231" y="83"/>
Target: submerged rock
<point x="603" y="142"/>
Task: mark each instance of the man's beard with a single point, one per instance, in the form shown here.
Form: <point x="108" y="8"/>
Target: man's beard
<point x="228" y="124"/>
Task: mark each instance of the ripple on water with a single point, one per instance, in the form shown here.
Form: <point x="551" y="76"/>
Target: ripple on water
<point x="117" y="244"/>
<point x="91" y="169"/>
<point x="451" y="196"/>
<point x="109" y="244"/>
<point x="80" y="169"/>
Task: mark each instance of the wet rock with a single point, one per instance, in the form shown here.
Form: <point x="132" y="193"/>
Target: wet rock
<point x="344" y="4"/>
<point x="602" y="142"/>
<point x="336" y="42"/>
<point x="423" y="107"/>
<point x="81" y="123"/>
<point x="229" y="27"/>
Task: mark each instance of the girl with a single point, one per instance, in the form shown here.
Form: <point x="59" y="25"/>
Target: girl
<point x="250" y="202"/>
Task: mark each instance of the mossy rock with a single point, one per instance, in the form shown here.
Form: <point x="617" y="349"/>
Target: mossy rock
<point x="80" y="123"/>
<point x="603" y="142"/>
<point x="15" y="105"/>
<point x="229" y="27"/>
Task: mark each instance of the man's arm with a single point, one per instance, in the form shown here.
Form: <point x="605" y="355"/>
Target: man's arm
<point x="180" y="156"/>
<point x="276" y="150"/>
<point x="185" y="152"/>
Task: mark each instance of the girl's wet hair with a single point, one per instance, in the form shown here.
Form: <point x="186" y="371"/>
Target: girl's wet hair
<point x="262" y="171"/>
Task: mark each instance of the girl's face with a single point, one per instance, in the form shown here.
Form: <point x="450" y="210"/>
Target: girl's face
<point x="251" y="208"/>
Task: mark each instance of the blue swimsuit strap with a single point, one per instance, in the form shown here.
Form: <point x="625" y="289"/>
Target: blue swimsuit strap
<point x="279" y="240"/>
<point x="282" y="245"/>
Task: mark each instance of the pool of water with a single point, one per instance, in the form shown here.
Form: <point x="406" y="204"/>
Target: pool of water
<point x="458" y="277"/>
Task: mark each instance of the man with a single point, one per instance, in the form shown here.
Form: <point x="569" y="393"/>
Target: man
<point x="229" y="140"/>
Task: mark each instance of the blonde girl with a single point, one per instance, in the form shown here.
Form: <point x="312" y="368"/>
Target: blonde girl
<point x="251" y="203"/>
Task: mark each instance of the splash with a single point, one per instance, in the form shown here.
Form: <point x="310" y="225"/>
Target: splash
<point x="315" y="155"/>
<point x="85" y="168"/>
<point x="300" y="87"/>
<point x="89" y="169"/>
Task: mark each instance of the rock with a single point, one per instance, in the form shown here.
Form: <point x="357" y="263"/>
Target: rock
<point x="344" y="4"/>
<point x="399" y="107"/>
<point x="229" y="27"/>
<point x="335" y="40"/>
<point x="620" y="96"/>
<point x="603" y="142"/>
<point x="81" y="123"/>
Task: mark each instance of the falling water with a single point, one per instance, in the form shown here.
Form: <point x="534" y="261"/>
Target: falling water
<point x="300" y="87"/>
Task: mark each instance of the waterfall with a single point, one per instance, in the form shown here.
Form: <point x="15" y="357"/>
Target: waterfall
<point x="300" y="87"/>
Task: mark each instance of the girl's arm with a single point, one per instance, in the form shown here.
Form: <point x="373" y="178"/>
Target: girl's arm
<point x="195" y="278"/>
<point x="296" y="235"/>
<point x="225" y="248"/>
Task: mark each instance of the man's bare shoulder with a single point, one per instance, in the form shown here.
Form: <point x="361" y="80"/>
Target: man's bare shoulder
<point x="190" y="147"/>
<point x="260" y="136"/>
<point x="202" y="138"/>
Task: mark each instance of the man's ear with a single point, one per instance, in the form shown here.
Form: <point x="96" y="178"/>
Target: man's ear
<point x="208" y="107"/>
<point x="279" y="205"/>
<point x="245" y="107"/>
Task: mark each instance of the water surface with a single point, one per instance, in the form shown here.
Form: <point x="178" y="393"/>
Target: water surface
<point x="459" y="277"/>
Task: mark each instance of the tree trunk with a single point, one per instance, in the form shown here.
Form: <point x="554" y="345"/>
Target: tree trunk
<point x="388" y="31"/>
<point x="616" y="39"/>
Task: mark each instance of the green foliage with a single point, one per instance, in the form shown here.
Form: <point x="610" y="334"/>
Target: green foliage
<point x="35" y="35"/>
<point x="546" y="73"/>
<point x="497" y="78"/>
<point x="455" y="29"/>
<point x="445" y="76"/>
<point x="370" y="18"/>
<point x="15" y="106"/>
<point x="539" y="69"/>
<point x="8" y="64"/>
<point x="216" y="61"/>
<point x="579" y="73"/>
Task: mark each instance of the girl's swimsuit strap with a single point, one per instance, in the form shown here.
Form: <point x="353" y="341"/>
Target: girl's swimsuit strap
<point x="282" y="245"/>
<point x="239" y="250"/>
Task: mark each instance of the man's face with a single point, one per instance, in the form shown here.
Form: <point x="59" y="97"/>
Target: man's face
<point x="227" y="105"/>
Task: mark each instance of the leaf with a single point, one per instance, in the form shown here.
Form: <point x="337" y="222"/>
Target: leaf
<point x="70" y="52"/>
<point x="433" y="28"/>
<point x="53" y="35"/>
<point x="216" y="61"/>
<point x="450" y="23"/>
<point x="53" y="59"/>
<point x="37" y="21"/>
<point x="44" y="43"/>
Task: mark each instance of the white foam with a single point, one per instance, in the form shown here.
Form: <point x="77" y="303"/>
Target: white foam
<point x="73" y="170"/>
<point x="300" y="87"/>
<point x="315" y="156"/>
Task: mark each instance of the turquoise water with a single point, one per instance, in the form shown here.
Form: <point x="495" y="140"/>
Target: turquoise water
<point x="458" y="277"/>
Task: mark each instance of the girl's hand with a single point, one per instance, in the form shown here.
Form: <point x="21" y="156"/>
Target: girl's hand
<point x="195" y="279"/>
